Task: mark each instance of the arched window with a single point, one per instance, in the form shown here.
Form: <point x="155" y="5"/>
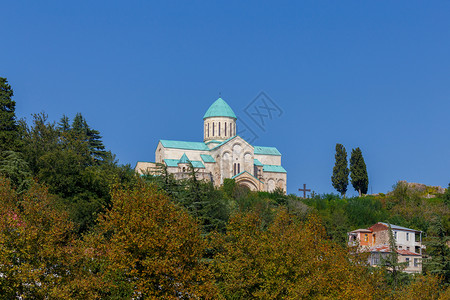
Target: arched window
<point x="225" y="128"/>
<point x="239" y="168"/>
<point x="208" y="129"/>
<point x="219" y="130"/>
<point x="213" y="128"/>
<point x="234" y="169"/>
<point x="231" y="129"/>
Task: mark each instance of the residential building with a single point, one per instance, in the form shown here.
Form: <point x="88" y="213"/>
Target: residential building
<point x="375" y="239"/>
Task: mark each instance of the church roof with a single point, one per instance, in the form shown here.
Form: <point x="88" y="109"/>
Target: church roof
<point x="259" y="150"/>
<point x="274" y="169"/>
<point x="207" y="158"/>
<point x="184" y="159"/>
<point x="219" y="109"/>
<point x="239" y="174"/>
<point x="174" y="163"/>
<point x="184" y="145"/>
<point x="257" y="163"/>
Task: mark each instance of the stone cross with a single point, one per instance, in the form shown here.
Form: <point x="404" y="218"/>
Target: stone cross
<point x="304" y="190"/>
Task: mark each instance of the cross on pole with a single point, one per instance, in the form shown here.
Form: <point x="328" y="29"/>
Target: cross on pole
<point x="304" y="190"/>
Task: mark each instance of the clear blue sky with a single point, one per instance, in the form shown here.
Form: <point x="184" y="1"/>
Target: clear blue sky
<point x="368" y="74"/>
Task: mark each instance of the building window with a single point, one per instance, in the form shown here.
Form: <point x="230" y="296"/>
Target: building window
<point x="407" y="236"/>
<point x="407" y="261"/>
<point x="399" y="247"/>
<point x="225" y="128"/>
<point x="407" y="248"/>
<point x="218" y="133"/>
<point x="208" y="129"/>
<point x="231" y="132"/>
<point x="395" y="232"/>
<point x="234" y="169"/>
<point x="213" y="128"/>
<point x="239" y="168"/>
<point x="366" y="238"/>
<point x="416" y="262"/>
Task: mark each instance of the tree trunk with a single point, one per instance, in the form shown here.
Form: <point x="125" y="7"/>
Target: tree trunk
<point x="359" y="193"/>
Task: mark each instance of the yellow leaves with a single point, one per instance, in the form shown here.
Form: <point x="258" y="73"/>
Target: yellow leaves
<point x="148" y="246"/>
<point x="290" y="259"/>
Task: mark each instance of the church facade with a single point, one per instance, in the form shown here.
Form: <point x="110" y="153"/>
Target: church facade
<point x="222" y="154"/>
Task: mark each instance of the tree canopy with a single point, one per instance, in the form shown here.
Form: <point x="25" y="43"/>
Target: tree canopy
<point x="340" y="170"/>
<point x="358" y="172"/>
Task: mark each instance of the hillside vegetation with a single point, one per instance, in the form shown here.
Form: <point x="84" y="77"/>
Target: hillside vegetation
<point x="75" y="224"/>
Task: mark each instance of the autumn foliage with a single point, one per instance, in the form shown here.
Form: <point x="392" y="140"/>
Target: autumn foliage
<point x="148" y="247"/>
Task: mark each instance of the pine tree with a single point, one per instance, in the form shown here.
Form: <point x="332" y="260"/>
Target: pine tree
<point x="9" y="131"/>
<point x="92" y="136"/>
<point x="439" y="253"/>
<point x="340" y="170"/>
<point x="63" y="124"/>
<point x="358" y="172"/>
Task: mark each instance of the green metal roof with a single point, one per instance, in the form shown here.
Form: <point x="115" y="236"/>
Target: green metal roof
<point x="274" y="169"/>
<point x="184" y="159"/>
<point x="174" y="163"/>
<point x="267" y="151"/>
<point x="197" y="164"/>
<point x="219" y="109"/>
<point x="257" y="163"/>
<point x="171" y="162"/>
<point x="207" y="158"/>
<point x="184" y="145"/>
<point x="213" y="141"/>
<point x="243" y="173"/>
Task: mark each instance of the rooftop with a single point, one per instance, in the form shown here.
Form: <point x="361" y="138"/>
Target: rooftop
<point x="219" y="109"/>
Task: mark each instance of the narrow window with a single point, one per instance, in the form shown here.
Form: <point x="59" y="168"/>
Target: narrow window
<point x="366" y="238"/>
<point x="239" y="168"/>
<point x="208" y="129"/>
<point x="407" y="248"/>
<point x="416" y="262"/>
<point x="395" y="235"/>
<point x="234" y="169"/>
<point x="225" y="128"/>
<point x="213" y="128"/>
<point x="219" y="130"/>
<point x="407" y="236"/>
<point x="407" y="261"/>
<point x="231" y="132"/>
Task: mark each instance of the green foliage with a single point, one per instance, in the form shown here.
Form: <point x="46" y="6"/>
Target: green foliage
<point x="62" y="157"/>
<point x="446" y="195"/>
<point x="438" y="262"/>
<point x="17" y="170"/>
<point x="9" y="130"/>
<point x="391" y="266"/>
<point x="340" y="170"/>
<point x="358" y="172"/>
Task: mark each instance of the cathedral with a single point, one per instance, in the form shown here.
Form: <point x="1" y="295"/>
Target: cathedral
<point x="222" y="154"/>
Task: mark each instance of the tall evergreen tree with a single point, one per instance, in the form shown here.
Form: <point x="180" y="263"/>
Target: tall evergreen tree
<point x="92" y="136"/>
<point x="358" y="172"/>
<point x="64" y="124"/>
<point x="439" y="252"/>
<point x="9" y="133"/>
<point x="340" y="170"/>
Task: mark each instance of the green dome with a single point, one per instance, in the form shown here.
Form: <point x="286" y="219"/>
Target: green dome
<point x="219" y="109"/>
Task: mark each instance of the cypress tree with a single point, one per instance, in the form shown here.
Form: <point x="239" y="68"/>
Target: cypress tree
<point x="9" y="131"/>
<point x="340" y="170"/>
<point x="358" y="172"/>
<point x="438" y="262"/>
